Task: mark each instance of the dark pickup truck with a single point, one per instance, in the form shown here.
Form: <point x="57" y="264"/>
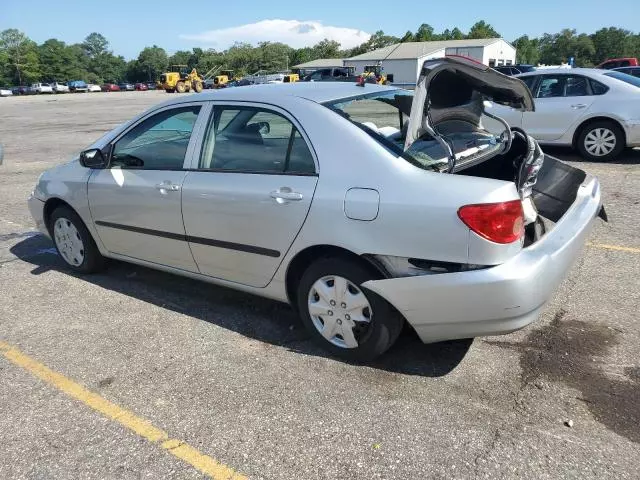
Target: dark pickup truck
<point x="335" y="74"/>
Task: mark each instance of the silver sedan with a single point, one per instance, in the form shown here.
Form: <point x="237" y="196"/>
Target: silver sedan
<point x="362" y="206"/>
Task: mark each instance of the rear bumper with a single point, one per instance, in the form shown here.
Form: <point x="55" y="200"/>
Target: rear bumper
<point x="500" y="299"/>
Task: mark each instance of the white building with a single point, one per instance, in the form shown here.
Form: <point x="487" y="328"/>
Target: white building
<point x="404" y="60"/>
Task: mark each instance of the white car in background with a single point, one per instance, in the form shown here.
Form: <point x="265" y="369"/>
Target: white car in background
<point x="59" y="87"/>
<point x="5" y="92"/>
<point x="42" y="88"/>
<point x="93" y="88"/>
<point x="595" y="111"/>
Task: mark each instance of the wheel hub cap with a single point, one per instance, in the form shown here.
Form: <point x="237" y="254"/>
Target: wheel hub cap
<point x="600" y="142"/>
<point x="68" y="241"/>
<point x="339" y="310"/>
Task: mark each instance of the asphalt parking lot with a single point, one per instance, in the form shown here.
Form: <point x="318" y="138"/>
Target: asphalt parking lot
<point x="134" y="373"/>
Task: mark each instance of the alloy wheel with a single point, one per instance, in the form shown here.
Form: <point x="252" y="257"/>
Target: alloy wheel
<point x="68" y="241"/>
<point x="339" y="310"/>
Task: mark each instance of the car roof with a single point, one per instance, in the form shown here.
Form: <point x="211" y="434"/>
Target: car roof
<point x="319" y="92"/>
<point x="566" y="71"/>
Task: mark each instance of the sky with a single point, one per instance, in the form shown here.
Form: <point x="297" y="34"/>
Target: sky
<point x="131" y="25"/>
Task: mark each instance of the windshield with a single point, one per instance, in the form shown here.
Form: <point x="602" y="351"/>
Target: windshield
<point x="384" y="115"/>
<point x="624" y="77"/>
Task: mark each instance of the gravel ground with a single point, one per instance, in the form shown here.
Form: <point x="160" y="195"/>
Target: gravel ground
<point x="237" y="378"/>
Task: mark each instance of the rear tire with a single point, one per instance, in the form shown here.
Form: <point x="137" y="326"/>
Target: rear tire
<point x="358" y="325"/>
<point x="74" y="242"/>
<point x="600" y="141"/>
<point x="169" y="90"/>
<point x="181" y="87"/>
<point x="197" y="86"/>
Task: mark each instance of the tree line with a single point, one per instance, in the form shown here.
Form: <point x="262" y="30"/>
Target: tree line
<point x="23" y="61"/>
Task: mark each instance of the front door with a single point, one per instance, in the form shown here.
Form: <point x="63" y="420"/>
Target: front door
<point x="250" y="193"/>
<point x="136" y="202"/>
<point x="561" y="100"/>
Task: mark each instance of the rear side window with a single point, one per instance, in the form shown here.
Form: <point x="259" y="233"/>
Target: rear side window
<point x="576" y="87"/>
<point x="254" y="140"/>
<point x="598" y="88"/>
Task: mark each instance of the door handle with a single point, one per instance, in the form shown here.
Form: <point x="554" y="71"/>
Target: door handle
<point x="167" y="187"/>
<point x="578" y="106"/>
<point x="285" y="195"/>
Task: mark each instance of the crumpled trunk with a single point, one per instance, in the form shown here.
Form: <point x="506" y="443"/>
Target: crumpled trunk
<point x="449" y="105"/>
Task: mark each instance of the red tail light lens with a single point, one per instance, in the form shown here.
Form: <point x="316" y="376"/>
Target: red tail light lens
<point x="498" y="222"/>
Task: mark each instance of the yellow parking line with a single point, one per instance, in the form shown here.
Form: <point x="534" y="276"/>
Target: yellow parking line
<point x="614" y="247"/>
<point x="142" y="427"/>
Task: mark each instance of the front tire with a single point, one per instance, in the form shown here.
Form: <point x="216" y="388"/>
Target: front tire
<point x="197" y="86"/>
<point x="601" y="141"/>
<point x="342" y="317"/>
<point x="74" y="242"/>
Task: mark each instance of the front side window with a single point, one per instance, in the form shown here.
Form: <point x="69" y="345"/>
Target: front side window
<point x="254" y="140"/>
<point x="551" y="87"/>
<point x="158" y="143"/>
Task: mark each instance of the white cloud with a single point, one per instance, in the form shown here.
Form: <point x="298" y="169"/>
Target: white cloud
<point x="294" y="33"/>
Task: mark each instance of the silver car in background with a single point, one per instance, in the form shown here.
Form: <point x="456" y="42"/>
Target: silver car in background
<point x="360" y="205"/>
<point x="595" y="111"/>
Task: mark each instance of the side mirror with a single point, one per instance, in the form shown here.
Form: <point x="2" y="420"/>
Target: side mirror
<point x="93" y="159"/>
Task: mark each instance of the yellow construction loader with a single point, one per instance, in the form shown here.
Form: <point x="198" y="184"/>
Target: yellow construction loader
<point x="226" y="76"/>
<point x="375" y="74"/>
<point x="180" y="80"/>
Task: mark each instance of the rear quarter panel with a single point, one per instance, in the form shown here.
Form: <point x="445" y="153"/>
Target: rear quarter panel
<point x="417" y="214"/>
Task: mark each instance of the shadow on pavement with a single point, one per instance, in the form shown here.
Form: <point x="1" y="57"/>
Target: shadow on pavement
<point x="261" y="319"/>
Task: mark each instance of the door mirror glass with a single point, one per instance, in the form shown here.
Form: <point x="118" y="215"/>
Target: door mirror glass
<point x="92" y="158"/>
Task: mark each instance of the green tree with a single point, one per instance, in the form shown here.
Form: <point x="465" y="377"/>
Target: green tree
<point x="95" y="45"/>
<point x="558" y="48"/>
<point x="274" y="56"/>
<point x="181" y="57"/>
<point x="408" y="37"/>
<point x="610" y="43"/>
<point x="456" y="34"/>
<point x="21" y="56"/>
<point x="527" y="50"/>
<point x="326" y="49"/>
<point x="424" y="33"/>
<point x="482" y="29"/>
<point x="151" y="62"/>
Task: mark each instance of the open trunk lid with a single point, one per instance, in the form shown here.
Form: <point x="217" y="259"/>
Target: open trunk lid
<point x="447" y="117"/>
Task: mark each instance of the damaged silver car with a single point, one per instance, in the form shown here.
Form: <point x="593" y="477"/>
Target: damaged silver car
<point x="364" y="207"/>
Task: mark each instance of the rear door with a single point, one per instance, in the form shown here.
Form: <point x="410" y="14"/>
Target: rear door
<point x="248" y="193"/>
<point x="136" y="202"/>
<point x="561" y="100"/>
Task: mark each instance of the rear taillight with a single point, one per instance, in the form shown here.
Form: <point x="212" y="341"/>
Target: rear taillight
<point x="498" y="222"/>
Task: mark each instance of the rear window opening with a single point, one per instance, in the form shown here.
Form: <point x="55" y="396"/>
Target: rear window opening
<point x="472" y="136"/>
